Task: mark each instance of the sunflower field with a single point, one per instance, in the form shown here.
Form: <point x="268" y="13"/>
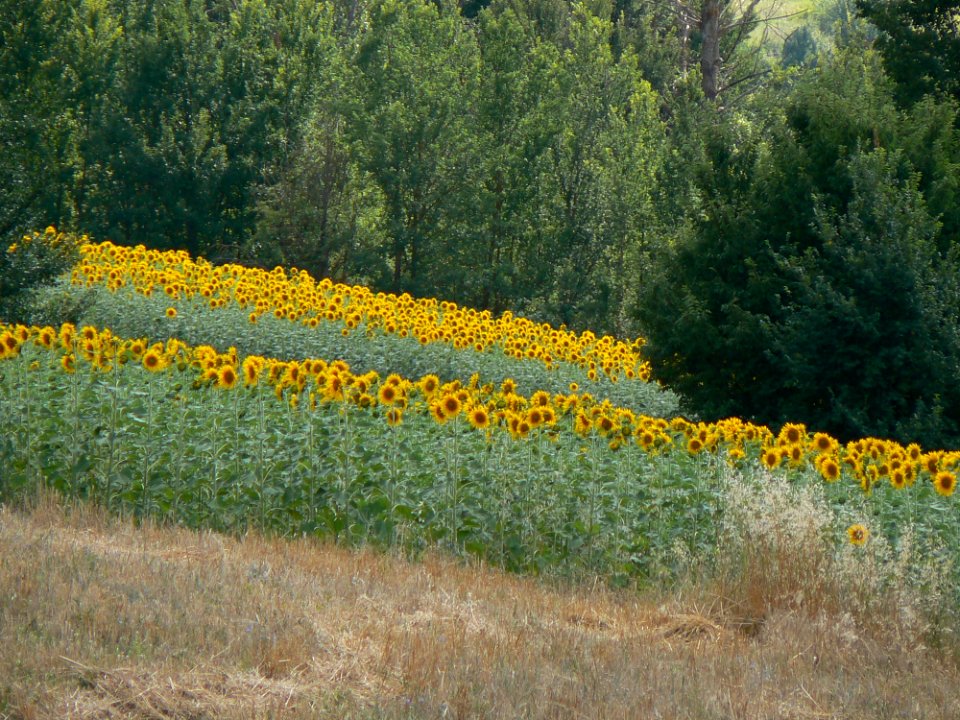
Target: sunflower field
<point x="227" y="397"/>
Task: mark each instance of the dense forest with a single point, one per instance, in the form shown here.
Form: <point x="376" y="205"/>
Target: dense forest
<point x="768" y="195"/>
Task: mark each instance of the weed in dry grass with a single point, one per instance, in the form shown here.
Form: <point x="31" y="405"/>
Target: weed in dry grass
<point x="100" y="619"/>
<point x="779" y="553"/>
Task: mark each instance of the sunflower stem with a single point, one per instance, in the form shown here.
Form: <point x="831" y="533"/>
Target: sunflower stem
<point x="453" y="464"/>
<point x="112" y="439"/>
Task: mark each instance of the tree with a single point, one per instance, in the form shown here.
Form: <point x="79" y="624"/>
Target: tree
<point x="799" y="49"/>
<point x="813" y="284"/>
<point x="321" y="213"/>
<point x="514" y="133"/>
<point x="410" y="127"/>
<point x="36" y="124"/>
<point x="595" y="189"/>
<point x="920" y="44"/>
<point x="716" y="32"/>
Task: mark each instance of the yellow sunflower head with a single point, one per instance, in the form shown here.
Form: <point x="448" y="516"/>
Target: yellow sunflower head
<point x="858" y="534"/>
<point x="945" y="483"/>
<point x="227" y="377"/>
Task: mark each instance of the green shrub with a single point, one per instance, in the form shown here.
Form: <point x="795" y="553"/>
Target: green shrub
<point x="29" y="263"/>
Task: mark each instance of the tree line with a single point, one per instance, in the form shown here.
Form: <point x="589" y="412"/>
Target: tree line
<point x="778" y="218"/>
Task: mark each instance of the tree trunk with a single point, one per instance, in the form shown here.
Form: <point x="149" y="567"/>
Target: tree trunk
<point x="710" y="48"/>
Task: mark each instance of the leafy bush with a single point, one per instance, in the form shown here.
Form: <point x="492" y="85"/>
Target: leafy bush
<point x="31" y="262"/>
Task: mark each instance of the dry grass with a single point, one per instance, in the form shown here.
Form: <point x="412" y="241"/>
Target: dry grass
<point x="101" y="619"/>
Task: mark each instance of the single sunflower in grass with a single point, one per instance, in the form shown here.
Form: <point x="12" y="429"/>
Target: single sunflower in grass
<point x="858" y="534"/>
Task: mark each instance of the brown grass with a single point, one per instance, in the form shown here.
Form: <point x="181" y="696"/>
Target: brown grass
<point x="102" y="619"/>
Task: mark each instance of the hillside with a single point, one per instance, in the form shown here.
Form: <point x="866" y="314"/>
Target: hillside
<point x="209" y="512"/>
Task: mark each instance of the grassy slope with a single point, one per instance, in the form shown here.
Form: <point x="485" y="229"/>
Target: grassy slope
<point x="101" y="619"/>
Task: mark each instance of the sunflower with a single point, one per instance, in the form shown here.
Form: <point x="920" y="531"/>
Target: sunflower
<point x="793" y="433"/>
<point x="436" y="411"/>
<point x="930" y="462"/>
<point x="540" y="398"/>
<point x="429" y="384"/>
<point x="227" y="377"/>
<point x="46" y="337"/>
<point x="387" y="394"/>
<point x="796" y="455"/>
<point x="293" y="375"/>
<point x="770" y="458"/>
<point x="69" y="363"/>
<point x="605" y="425"/>
<point x="251" y="367"/>
<point x="9" y="343"/>
<point x="394" y="416"/>
<point x="67" y="333"/>
<point x="898" y="478"/>
<point x="694" y="445"/>
<point x="910" y="472"/>
<point x="479" y="417"/>
<point x="365" y="400"/>
<point x="823" y="443"/>
<point x="333" y="390"/>
<point x="451" y="405"/>
<point x="171" y="312"/>
<point x="153" y="360"/>
<point x="646" y="439"/>
<point x="857" y="534"/>
<point x="830" y="469"/>
<point x="583" y="424"/>
<point x="945" y="483"/>
<point x="535" y="417"/>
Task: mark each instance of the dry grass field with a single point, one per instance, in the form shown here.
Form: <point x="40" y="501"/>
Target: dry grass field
<point x="103" y="619"/>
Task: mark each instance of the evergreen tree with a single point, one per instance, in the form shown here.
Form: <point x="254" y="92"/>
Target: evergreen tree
<point x="920" y="44"/>
<point x="813" y="284"/>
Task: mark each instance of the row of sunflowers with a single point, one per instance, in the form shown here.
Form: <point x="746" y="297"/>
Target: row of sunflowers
<point x="306" y="383"/>
<point x="296" y="296"/>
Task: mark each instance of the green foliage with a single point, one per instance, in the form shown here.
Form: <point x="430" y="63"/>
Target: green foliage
<point x="567" y="507"/>
<point x="500" y="159"/>
<point x="152" y="122"/>
<point x="416" y="71"/>
<point x="604" y="152"/>
<point x="816" y="284"/>
<point x="919" y="43"/>
<point x="31" y="262"/>
<point x="36" y="121"/>
<point x="799" y="49"/>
